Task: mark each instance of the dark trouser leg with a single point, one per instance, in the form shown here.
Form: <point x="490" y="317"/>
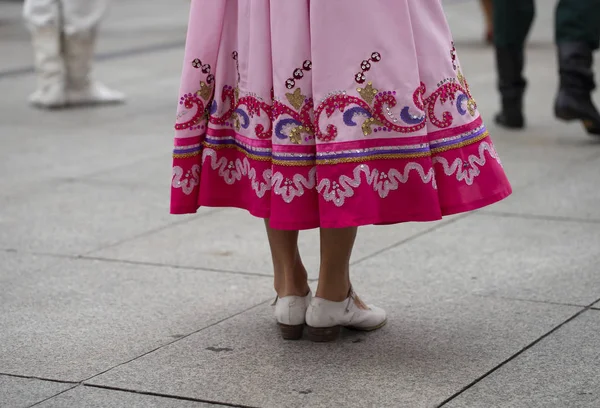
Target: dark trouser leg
<point x="577" y="36"/>
<point x="512" y="22"/>
<point x="578" y="21"/>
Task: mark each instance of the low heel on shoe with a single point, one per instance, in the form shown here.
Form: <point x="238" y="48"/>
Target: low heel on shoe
<point x="291" y="332"/>
<point x="323" y="334"/>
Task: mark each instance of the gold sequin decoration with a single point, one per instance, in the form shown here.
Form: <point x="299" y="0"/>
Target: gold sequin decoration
<point x="296" y="134"/>
<point x="312" y="161"/>
<point x="462" y="80"/>
<point x="185" y="155"/>
<point x="366" y="127"/>
<point x="364" y="159"/>
<point x="471" y="106"/>
<point x="461" y="144"/>
<point x="368" y="92"/>
<point x="205" y="91"/>
<point x="236" y="121"/>
<point x="296" y="99"/>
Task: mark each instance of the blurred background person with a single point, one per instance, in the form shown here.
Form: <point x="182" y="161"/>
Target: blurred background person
<point x="577" y="36"/>
<point x="488" y="12"/>
<point x="63" y="36"/>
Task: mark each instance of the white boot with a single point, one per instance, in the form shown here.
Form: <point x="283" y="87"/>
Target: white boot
<point x="290" y="312"/>
<point x="50" y="67"/>
<point x="81" y="89"/>
<point x="325" y="318"/>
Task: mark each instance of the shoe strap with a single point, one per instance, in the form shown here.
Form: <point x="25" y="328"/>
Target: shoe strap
<point x="351" y="298"/>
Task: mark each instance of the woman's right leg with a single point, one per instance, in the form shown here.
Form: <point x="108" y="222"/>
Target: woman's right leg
<point x="336" y="305"/>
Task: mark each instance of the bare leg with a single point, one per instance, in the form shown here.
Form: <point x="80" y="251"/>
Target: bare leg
<point x="334" y="273"/>
<point x="290" y="274"/>
<point x="329" y="311"/>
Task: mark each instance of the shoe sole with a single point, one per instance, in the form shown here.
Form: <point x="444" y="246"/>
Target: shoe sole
<point x="368" y="329"/>
<point x="323" y="334"/>
<point x="328" y="334"/>
<point x="291" y="332"/>
<point x="588" y="124"/>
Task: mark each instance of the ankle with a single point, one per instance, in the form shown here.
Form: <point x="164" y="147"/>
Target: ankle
<point x="292" y="290"/>
<point x="333" y="291"/>
<point x="292" y="283"/>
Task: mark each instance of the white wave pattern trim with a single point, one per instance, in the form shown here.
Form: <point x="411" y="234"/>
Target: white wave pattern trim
<point x="333" y="191"/>
<point x="382" y="182"/>
<point x="231" y="171"/>
<point x="289" y="189"/>
<point x="187" y="183"/>
<point x="467" y="171"/>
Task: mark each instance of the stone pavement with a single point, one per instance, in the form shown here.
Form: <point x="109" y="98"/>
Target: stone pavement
<point x="108" y="301"/>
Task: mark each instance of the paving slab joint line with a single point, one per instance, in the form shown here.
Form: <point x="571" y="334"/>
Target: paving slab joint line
<point x="412" y="237"/>
<point x="32" y="377"/>
<point x="160" y="395"/>
<point x="176" y="340"/>
<point x="55" y="395"/>
<point x="152" y="231"/>
<point x="130" y="262"/>
<point x="515" y="299"/>
<point x="517" y="354"/>
<point x="504" y="214"/>
<point x="183" y="267"/>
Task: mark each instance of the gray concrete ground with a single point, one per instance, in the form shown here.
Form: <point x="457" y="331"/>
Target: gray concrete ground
<point x="108" y="301"/>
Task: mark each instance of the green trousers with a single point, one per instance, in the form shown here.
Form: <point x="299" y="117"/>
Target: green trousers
<point x="575" y="21"/>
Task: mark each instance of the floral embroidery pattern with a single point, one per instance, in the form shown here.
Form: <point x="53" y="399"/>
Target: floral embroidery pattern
<point x="377" y="106"/>
<point x="371" y="105"/>
<point x="295" y="118"/>
<point x="298" y="120"/>
<point x="298" y="126"/>
<point x="253" y="106"/>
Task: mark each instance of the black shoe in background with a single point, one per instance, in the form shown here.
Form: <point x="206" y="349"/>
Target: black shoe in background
<point x="511" y="84"/>
<point x="574" y="101"/>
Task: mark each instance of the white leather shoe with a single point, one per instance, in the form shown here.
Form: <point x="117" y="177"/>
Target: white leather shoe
<point x="290" y="312"/>
<point x="325" y="318"/>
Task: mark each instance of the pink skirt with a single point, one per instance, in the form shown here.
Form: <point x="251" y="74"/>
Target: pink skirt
<point x="329" y="113"/>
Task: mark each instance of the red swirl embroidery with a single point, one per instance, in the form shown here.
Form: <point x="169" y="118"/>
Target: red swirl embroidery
<point x="189" y="101"/>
